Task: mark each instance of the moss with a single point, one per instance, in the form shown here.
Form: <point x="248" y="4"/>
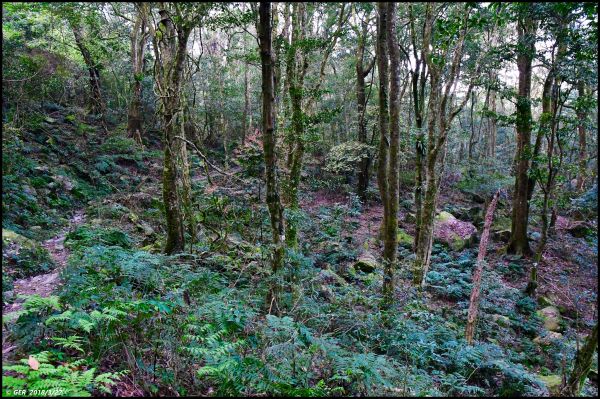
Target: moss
<point x="405" y="239"/>
<point x="23" y="256"/>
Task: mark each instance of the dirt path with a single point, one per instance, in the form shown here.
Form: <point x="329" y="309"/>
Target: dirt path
<point x="43" y="284"/>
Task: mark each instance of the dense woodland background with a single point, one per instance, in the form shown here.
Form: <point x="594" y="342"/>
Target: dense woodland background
<point x="305" y="199"/>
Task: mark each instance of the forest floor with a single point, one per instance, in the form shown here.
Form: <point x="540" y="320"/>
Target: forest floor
<point x="92" y="193"/>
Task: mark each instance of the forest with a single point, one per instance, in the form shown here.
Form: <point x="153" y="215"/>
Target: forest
<point x="299" y="199"/>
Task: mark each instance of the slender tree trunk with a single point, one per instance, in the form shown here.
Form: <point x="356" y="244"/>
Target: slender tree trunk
<point x="138" y="38"/>
<point x="269" y="138"/>
<point x="361" y="102"/>
<point x="480" y="264"/>
<point x="170" y="48"/>
<point x="245" y="126"/>
<point x="96" y="103"/>
<point x="519" y="243"/>
<point x="390" y="236"/>
<point x="582" y="366"/>
<point x="581" y="115"/>
<point x="384" y="116"/>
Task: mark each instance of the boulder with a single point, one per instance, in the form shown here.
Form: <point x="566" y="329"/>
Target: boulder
<point x="548" y="338"/>
<point x="579" y="229"/>
<point x="551" y="317"/>
<point x="405" y="239"/>
<point x="455" y="233"/>
<point x="552" y="382"/>
<point x="501" y="235"/>
<point x="366" y="262"/>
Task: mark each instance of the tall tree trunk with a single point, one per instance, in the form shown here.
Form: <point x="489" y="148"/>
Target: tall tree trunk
<point x="138" y="38"/>
<point x="269" y="137"/>
<point x="245" y="126"/>
<point x="361" y="102"/>
<point x="581" y="115"/>
<point x="384" y="113"/>
<point x="170" y="48"/>
<point x="390" y="236"/>
<point x="519" y="243"/>
<point x="438" y="123"/>
<point x="479" y="265"/>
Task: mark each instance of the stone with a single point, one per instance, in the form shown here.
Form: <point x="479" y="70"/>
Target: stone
<point x="405" y="239"/>
<point x="145" y="228"/>
<point x="535" y="236"/>
<point x="548" y="338"/>
<point x="551" y="317"/>
<point x="552" y="382"/>
<point x="366" y="263"/>
<point x="455" y="233"/>
<point x="579" y="229"/>
<point x="501" y="235"/>
<point x="501" y="320"/>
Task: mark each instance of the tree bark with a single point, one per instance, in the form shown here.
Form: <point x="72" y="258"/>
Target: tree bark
<point x="582" y="162"/>
<point x="583" y="363"/>
<point x="138" y="38"/>
<point x="170" y="46"/>
<point x="269" y="139"/>
<point x="96" y="103"/>
<point x="390" y="187"/>
<point x="361" y="102"/>
<point x="519" y="243"/>
<point x="480" y="264"/>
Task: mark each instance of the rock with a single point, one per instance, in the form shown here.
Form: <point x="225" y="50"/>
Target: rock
<point x="366" y="263"/>
<point x="501" y="235"/>
<point x="535" y="236"/>
<point x="35" y="228"/>
<point x="544" y="301"/>
<point x="501" y="320"/>
<point x="547" y="339"/>
<point x="455" y="233"/>
<point x="405" y="239"/>
<point x="145" y="228"/>
<point x="551" y="317"/>
<point x="552" y="382"/>
<point x="579" y="229"/>
<point x="50" y="120"/>
<point x="410" y="218"/>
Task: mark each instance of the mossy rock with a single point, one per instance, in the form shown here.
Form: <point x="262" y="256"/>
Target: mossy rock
<point x="405" y="239"/>
<point x="24" y="257"/>
<point x="551" y="317"/>
<point x="455" y="233"/>
<point x="366" y="263"/>
<point x="552" y="382"/>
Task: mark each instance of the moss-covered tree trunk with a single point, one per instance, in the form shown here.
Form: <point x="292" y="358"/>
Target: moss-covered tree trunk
<point x="170" y="46"/>
<point x="96" y="103"/>
<point x="138" y="37"/>
<point x="389" y="121"/>
<point x="269" y="139"/>
<point x="361" y="103"/>
<point x="519" y="243"/>
<point x="439" y="119"/>
<point x="581" y="116"/>
<point x="583" y="363"/>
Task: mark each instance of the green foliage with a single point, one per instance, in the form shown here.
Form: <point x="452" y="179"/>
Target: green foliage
<point x="40" y="377"/>
<point x="85" y="236"/>
<point x="345" y="157"/>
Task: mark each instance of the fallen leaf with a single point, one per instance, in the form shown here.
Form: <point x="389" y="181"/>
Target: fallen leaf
<point x="33" y="363"/>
